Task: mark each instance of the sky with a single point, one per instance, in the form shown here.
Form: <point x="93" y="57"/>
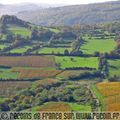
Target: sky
<point x="53" y="1"/>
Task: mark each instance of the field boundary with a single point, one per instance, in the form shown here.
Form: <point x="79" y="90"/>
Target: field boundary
<point x="99" y="97"/>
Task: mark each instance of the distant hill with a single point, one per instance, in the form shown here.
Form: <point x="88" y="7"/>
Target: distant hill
<point x="13" y="9"/>
<point x="51" y="15"/>
<point x="70" y="15"/>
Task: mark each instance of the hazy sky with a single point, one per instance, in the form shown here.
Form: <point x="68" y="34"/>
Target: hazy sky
<point x="53" y="1"/>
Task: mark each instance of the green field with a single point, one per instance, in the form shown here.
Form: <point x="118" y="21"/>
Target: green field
<point x="77" y="107"/>
<point x="63" y="45"/>
<point x="51" y="50"/>
<point x="19" y="31"/>
<point x="98" y="45"/>
<point x="2" y="99"/>
<point x="6" y="73"/>
<point x="20" y="49"/>
<point x="73" y="106"/>
<point x="3" y="46"/>
<point x="55" y="30"/>
<point x="99" y="97"/>
<point x="52" y="29"/>
<point x="3" y="37"/>
<point x="114" y="67"/>
<point x="70" y="62"/>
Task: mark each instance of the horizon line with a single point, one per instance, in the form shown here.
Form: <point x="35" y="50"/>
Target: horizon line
<point x="58" y="3"/>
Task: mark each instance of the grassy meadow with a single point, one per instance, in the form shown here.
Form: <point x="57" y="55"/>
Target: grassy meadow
<point x="97" y="45"/>
<point x="50" y="50"/>
<point x="19" y="30"/>
<point x="6" y="73"/>
<point x="71" y="62"/>
<point x="20" y="49"/>
<point x="2" y="46"/>
<point x="114" y="67"/>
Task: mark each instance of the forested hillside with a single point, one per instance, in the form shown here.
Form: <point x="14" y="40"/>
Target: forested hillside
<point x="70" y="15"/>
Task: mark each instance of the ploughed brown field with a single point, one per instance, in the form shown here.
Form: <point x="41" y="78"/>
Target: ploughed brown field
<point x="27" y="61"/>
<point x="32" y="73"/>
<point x="8" y="88"/>
<point x="46" y="82"/>
<point x="111" y="93"/>
<point x="55" y="106"/>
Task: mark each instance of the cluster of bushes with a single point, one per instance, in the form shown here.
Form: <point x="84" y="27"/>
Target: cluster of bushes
<point x="5" y="67"/>
<point x="80" y="68"/>
<point x="23" y="79"/>
<point x="41" y="93"/>
<point x="65" y="34"/>
<point x="30" y="50"/>
<point x="43" y="34"/>
<point x="114" y="78"/>
<point x="86" y="75"/>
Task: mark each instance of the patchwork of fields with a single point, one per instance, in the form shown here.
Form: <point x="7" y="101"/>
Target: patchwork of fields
<point x="53" y="68"/>
<point x="16" y="66"/>
<point x="43" y="66"/>
<point x="33" y="67"/>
